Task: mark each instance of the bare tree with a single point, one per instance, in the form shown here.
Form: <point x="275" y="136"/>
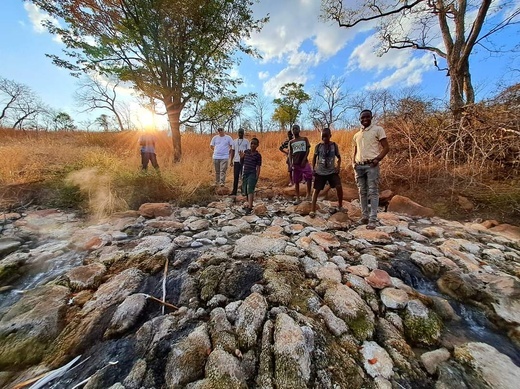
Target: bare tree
<point x="330" y="102"/>
<point x="422" y="24"/>
<point x="95" y="93"/>
<point x="260" y="106"/>
<point x="19" y="105"/>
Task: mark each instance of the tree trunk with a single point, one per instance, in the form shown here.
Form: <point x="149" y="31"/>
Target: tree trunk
<point x="469" y="92"/>
<point x="174" y="114"/>
<point x="456" y="92"/>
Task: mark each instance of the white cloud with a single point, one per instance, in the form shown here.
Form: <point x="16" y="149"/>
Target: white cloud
<point x="37" y="17"/>
<point x="405" y="76"/>
<point x="263" y="75"/>
<point x="272" y="87"/>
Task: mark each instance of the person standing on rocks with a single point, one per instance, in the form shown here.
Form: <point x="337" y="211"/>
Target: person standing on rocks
<point x="240" y="145"/>
<point x="147" y="143"/>
<point x="299" y="149"/>
<point x="252" y="166"/>
<point x="370" y="147"/>
<point x="328" y="159"/>
<point x="284" y="148"/>
<point x="221" y="145"/>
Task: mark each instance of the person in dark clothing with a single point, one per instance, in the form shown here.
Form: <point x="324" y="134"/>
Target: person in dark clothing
<point x="147" y="143"/>
<point x="251" y="172"/>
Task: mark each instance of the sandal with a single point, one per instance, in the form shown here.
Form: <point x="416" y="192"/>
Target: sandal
<point x="361" y="222"/>
<point x="312" y="214"/>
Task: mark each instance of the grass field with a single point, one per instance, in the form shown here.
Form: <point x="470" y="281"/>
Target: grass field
<point x="99" y="173"/>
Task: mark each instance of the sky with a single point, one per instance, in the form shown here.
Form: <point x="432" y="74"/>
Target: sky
<point x="295" y="46"/>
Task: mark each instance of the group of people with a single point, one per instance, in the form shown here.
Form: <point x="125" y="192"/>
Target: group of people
<point x="370" y="147"/>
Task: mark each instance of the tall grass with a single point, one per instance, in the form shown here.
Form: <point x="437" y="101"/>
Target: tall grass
<point x="432" y="160"/>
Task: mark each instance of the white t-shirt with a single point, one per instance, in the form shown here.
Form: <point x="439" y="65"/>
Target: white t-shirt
<point x="221" y="145"/>
<point x="240" y="145"/>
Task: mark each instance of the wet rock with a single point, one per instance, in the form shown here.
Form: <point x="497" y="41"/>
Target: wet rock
<point x="11" y="267"/>
<point x="8" y="245"/>
<point x="421" y="325"/>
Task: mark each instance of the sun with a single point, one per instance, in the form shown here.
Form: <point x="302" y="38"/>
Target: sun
<point x="145" y="119"/>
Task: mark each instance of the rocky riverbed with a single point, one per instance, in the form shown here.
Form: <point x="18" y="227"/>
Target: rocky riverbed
<point x="275" y="299"/>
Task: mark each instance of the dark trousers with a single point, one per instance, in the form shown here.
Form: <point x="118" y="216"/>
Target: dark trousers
<point x="237" y="172"/>
<point x="149" y="157"/>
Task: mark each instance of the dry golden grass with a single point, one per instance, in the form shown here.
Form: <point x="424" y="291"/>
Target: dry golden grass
<point x="423" y="164"/>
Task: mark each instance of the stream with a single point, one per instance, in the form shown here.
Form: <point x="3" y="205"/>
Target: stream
<point x="474" y="326"/>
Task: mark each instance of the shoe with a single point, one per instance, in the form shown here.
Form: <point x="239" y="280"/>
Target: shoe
<point x="296" y="201"/>
<point x="312" y="214"/>
<point x="248" y="211"/>
<point x="362" y="221"/>
<point x="308" y="198"/>
<point x="371" y="226"/>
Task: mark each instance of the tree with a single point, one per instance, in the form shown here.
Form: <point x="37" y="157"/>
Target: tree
<point x="417" y="24"/>
<point x="97" y="94"/>
<point x="18" y="103"/>
<point x="222" y="112"/>
<point x="289" y="105"/>
<point x="63" y="122"/>
<point x="260" y="105"/>
<point x="103" y="121"/>
<point x="178" y="52"/>
<point x="329" y="104"/>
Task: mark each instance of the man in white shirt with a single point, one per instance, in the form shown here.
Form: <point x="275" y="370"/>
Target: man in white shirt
<point x="221" y="145"/>
<point x="239" y="146"/>
<point x="370" y="147"/>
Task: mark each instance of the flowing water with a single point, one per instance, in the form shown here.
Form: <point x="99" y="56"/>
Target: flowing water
<point x="474" y="326"/>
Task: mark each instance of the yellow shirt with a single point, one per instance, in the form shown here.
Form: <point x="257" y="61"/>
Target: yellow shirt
<point x="367" y="141"/>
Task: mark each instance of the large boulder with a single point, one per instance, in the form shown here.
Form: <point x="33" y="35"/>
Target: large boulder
<point x="401" y="204"/>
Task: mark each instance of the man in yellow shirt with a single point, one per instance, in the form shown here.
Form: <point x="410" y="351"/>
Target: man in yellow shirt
<point x="370" y="147"/>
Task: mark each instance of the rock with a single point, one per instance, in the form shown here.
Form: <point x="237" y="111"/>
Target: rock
<point x="325" y="239"/>
<point x="352" y="309"/>
<point x="359" y="270"/>
<point x="379" y="279"/>
<point x="394" y="298"/>
<point x="29" y="326"/>
<point x="126" y="315"/>
<point x="334" y="323"/>
<point x="254" y="246"/>
<point x="465" y="203"/>
<point x="427" y="263"/>
<point x="373" y="236"/>
<point x="369" y="261"/>
<point x="152" y="210"/>
<point x="291" y="355"/>
<point x="488" y="366"/>
<point x="187" y="359"/>
<point x="350" y="194"/>
<point x="260" y="210"/>
<point x="86" y="277"/>
<point x="421" y="325"/>
<point x="376" y="361"/>
<point x="507" y="230"/>
<point x="250" y="317"/>
<point x="404" y="205"/>
<point x="8" y="245"/>
<point x="223" y="371"/>
<point x="432" y="359"/>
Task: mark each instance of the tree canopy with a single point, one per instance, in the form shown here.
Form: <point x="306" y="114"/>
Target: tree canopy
<point x="289" y="105"/>
<point x="178" y="52"/>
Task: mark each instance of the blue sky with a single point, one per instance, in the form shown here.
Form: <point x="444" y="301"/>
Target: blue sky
<point x="295" y="45"/>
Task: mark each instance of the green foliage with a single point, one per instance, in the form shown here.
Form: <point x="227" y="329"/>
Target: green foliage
<point x="289" y="105"/>
<point x="178" y="52"/>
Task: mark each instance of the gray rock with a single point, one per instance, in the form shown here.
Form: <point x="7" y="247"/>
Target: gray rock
<point x="250" y="318"/>
<point x="126" y="315"/>
<point x="432" y="359"/>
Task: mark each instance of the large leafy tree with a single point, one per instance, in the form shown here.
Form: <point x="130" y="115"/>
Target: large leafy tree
<point x="460" y="25"/>
<point x="176" y="51"/>
<point x="289" y="104"/>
